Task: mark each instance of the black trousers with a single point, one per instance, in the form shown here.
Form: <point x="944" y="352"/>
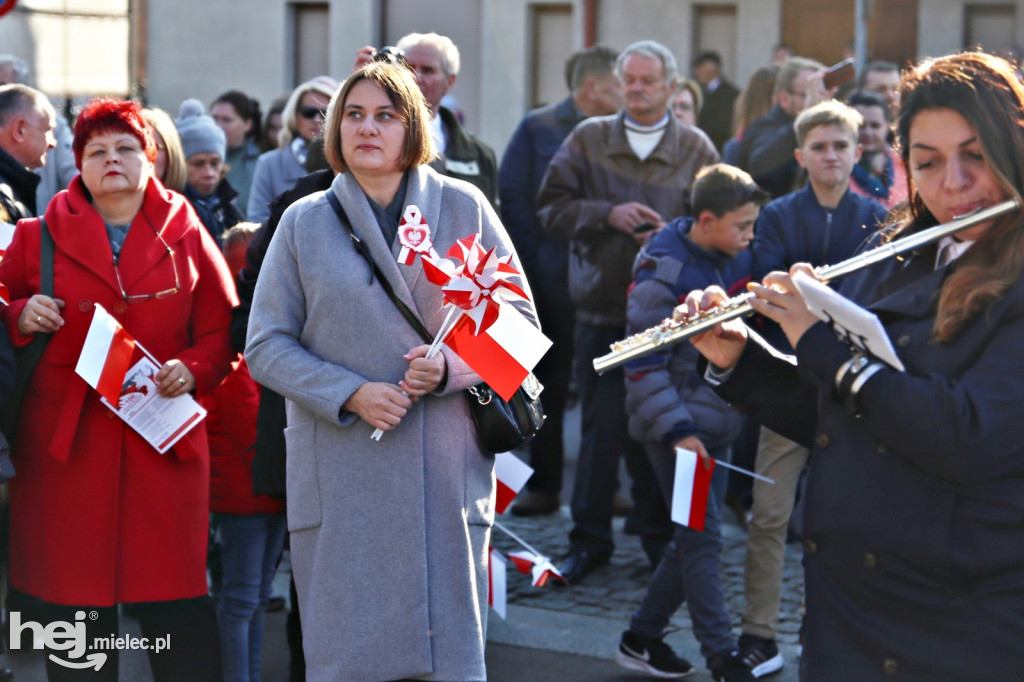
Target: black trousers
<point x="604" y="439"/>
<point x="188" y="626"/>
<point x="554" y="371"/>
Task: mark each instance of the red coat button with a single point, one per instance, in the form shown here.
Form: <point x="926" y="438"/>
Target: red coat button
<point x="120" y="307"/>
<point x="85" y="305"/>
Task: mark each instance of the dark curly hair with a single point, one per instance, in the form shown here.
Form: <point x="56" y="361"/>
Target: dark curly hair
<point x="107" y="115"/>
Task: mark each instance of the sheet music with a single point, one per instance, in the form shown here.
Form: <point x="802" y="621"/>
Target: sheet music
<point x="851" y="323"/>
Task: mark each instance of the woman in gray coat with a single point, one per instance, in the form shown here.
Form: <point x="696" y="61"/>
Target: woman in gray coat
<point x="389" y="539"/>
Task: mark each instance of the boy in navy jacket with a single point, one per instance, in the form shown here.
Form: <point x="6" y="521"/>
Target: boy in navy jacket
<point x="669" y="407"/>
<point x="822" y="224"/>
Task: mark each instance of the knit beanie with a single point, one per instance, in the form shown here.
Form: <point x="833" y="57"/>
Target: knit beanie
<point x="199" y="133"/>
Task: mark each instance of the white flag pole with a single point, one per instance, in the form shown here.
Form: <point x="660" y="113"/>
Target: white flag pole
<point x="744" y="471"/>
<point x="431" y="352"/>
<point x="518" y="539"/>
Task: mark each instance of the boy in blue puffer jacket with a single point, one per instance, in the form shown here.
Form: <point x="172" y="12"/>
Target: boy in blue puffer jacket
<point x="669" y="406"/>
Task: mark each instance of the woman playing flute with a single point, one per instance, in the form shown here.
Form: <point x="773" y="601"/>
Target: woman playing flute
<point x="914" y="530"/>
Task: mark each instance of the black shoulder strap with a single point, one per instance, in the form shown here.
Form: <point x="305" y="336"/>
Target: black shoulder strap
<point x="27" y="357"/>
<point x="45" y="259"/>
<point x="365" y="253"/>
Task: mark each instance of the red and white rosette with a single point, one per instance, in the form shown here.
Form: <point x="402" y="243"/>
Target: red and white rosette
<point x="477" y="281"/>
<point x="414" y="236"/>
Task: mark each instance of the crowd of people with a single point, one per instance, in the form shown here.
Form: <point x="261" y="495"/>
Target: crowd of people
<point x="252" y="258"/>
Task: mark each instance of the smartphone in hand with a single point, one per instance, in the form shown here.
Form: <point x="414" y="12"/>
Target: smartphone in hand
<point x="644" y="227"/>
<point x="840" y="73"/>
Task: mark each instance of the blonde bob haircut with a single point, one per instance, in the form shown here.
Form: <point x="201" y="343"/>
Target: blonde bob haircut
<point x="177" y="171"/>
<point x="400" y="86"/>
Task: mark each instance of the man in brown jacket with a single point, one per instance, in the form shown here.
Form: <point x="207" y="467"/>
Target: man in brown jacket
<point x="614" y="180"/>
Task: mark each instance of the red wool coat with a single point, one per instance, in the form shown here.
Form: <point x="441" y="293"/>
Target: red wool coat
<point x="232" y="409"/>
<point x="97" y="515"/>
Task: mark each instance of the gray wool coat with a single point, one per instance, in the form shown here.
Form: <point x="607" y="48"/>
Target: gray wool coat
<point x="388" y="539"/>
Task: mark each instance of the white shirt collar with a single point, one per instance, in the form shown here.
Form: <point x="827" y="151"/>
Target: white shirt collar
<point x="438" y="134"/>
<point x="955" y="249"/>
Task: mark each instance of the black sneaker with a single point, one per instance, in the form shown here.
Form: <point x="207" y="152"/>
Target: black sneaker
<point x="651" y="656"/>
<point x="760" y="654"/>
<point x="731" y="668"/>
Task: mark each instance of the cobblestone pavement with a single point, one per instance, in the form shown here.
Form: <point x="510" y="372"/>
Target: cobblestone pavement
<point x="614" y="591"/>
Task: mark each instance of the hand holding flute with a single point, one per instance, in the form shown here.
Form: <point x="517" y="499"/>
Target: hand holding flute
<point x="777" y="298"/>
<point x="681" y="327"/>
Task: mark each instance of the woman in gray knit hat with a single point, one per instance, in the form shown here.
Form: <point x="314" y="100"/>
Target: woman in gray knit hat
<point x="205" y="145"/>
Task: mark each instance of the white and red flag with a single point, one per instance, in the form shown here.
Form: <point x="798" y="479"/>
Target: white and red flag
<point x="490" y="335"/>
<point x="691" y="489"/>
<point x="106" y="355"/>
<point x="497" y="590"/>
<point x="504" y="353"/>
<point x="6" y="235"/>
<point x="414" y="236"/>
<point x="5" y="295"/>
<point x="512" y="474"/>
<point x="537" y="566"/>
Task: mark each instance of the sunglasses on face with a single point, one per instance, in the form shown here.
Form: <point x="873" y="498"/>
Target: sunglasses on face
<point x="310" y="113"/>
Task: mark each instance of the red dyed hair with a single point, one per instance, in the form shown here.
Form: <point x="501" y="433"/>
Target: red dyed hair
<point x="109" y="115"/>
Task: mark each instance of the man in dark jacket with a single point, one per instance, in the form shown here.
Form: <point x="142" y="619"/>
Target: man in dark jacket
<point x="595" y="92"/>
<point x="27" y="121"/>
<point x="768" y="143"/>
<point x="720" y="95"/>
<point x="614" y="179"/>
<point x="435" y="60"/>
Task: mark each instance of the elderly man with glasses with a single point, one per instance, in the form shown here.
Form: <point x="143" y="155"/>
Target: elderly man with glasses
<point x="768" y="144"/>
<point x="435" y="60"/>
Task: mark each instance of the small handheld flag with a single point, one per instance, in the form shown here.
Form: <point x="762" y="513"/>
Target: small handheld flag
<point x="106" y="355"/>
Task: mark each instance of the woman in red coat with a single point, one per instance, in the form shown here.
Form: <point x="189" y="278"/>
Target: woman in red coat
<point x="98" y="516"/>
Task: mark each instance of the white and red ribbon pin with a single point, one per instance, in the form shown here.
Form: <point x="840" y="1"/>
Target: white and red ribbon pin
<point x="414" y="236"/>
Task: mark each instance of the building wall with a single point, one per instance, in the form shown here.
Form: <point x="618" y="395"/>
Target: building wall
<point x="73" y="47"/>
<point x="940" y="25"/>
<point x="199" y="48"/>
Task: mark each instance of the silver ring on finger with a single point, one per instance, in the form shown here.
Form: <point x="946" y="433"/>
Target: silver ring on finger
<point x="39" y="319"/>
<point x="181" y="380"/>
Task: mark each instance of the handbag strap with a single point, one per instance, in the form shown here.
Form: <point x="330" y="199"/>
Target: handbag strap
<point x="368" y="257"/>
<point x="45" y="259"/>
<point x="28" y="356"/>
<point x="34" y="350"/>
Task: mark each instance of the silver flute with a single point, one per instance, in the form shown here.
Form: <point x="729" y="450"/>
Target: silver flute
<point x="670" y="331"/>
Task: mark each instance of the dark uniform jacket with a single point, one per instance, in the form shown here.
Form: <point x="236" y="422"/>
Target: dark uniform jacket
<point x="914" y="540"/>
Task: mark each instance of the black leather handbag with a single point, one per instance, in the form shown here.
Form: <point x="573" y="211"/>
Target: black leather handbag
<point x="501" y="425"/>
<point x="506" y="425"/>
